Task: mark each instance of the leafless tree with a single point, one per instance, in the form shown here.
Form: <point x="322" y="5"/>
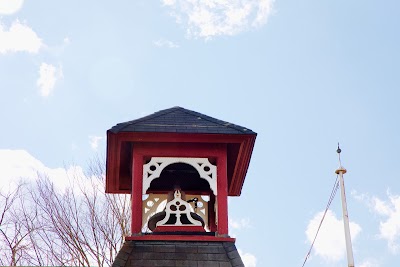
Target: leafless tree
<point x="76" y="225"/>
<point x="9" y="240"/>
<point x="14" y="229"/>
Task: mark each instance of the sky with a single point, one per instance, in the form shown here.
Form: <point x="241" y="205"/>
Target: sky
<point x="304" y="75"/>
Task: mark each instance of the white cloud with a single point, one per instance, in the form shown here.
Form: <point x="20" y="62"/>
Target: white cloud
<point x="165" y="43"/>
<point x="359" y="196"/>
<point x="381" y="207"/>
<point x="249" y="260"/>
<point x="239" y="224"/>
<point x="209" y="18"/>
<point x="19" y="164"/>
<point x="330" y="243"/>
<point x="168" y="2"/>
<point x="389" y="229"/>
<point x="19" y="38"/>
<point x="94" y="141"/>
<point x="8" y="7"/>
<point x="48" y="75"/>
<point x="369" y="263"/>
<point x="67" y="41"/>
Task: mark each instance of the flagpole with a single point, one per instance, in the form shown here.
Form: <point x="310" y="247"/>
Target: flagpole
<point x="341" y="171"/>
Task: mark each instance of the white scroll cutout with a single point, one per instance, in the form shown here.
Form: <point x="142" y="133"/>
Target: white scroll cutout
<point x="153" y="169"/>
<point x="177" y="207"/>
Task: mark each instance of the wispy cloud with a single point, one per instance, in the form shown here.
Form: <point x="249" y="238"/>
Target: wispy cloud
<point x="210" y="18"/>
<point x="248" y="259"/>
<point x="239" y="224"/>
<point x="66" y="41"/>
<point x="94" y="141"/>
<point x="18" y="38"/>
<point x="389" y="210"/>
<point x="165" y="43"/>
<point x="8" y="7"/>
<point x="48" y="76"/>
<point x="330" y="243"/>
<point x="369" y="263"/>
<point x="389" y="228"/>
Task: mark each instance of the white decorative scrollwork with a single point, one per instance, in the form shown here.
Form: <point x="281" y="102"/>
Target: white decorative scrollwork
<point x="157" y="202"/>
<point x="151" y="205"/>
<point x="177" y="207"/>
<point x="206" y="170"/>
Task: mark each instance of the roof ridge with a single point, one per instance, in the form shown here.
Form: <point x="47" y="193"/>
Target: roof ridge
<point x="181" y="120"/>
<point x="218" y="121"/>
<point x="149" y="117"/>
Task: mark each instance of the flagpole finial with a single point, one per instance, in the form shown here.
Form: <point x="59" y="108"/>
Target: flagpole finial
<point x="338" y="148"/>
<point x="340" y="169"/>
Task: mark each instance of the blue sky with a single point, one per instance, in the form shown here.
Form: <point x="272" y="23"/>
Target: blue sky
<point x="304" y="75"/>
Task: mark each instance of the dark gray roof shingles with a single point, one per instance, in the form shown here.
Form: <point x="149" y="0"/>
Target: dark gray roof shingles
<point x="180" y="120"/>
<point x="178" y="253"/>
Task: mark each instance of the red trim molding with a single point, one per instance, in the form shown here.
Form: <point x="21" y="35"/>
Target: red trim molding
<point x="199" y="238"/>
<point x="179" y="229"/>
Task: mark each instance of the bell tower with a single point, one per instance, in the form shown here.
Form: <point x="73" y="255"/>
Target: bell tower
<point x="179" y="166"/>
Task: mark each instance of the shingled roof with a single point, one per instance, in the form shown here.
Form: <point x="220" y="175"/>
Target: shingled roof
<point x="177" y="126"/>
<point x="178" y="253"/>
<point x="180" y="120"/>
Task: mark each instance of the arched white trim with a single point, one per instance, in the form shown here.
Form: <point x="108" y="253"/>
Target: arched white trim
<point x="153" y="169"/>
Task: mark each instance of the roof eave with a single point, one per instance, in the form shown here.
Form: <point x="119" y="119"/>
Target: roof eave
<point x="114" y="141"/>
<point x="242" y="165"/>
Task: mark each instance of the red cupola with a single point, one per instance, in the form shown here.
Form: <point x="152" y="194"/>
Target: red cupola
<point x="180" y="166"/>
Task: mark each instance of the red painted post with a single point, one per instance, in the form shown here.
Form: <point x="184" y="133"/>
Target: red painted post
<point x="211" y="214"/>
<point x="222" y="197"/>
<point x="137" y="181"/>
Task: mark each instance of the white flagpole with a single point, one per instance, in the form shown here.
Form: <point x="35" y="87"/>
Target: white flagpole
<point x="341" y="171"/>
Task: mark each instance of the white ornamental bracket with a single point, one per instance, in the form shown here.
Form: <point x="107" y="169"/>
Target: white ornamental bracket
<point x="177" y="207"/>
<point x="153" y="169"/>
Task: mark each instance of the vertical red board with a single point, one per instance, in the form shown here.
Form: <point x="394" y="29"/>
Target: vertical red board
<point x="222" y="197"/>
<point x="211" y="214"/>
<point x="137" y="187"/>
